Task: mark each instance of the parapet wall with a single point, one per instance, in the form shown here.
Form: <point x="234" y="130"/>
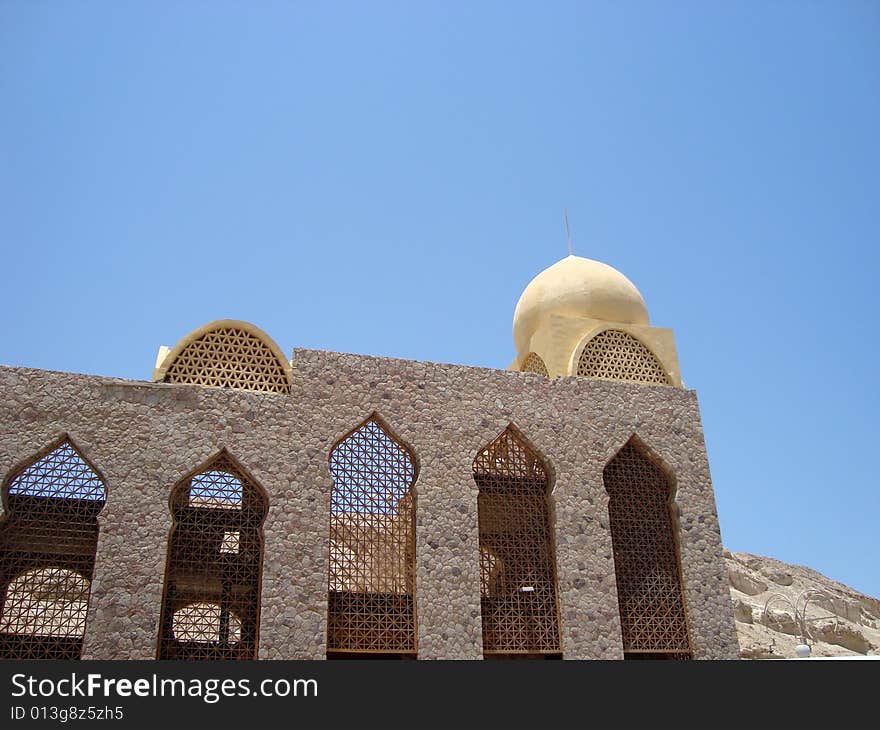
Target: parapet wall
<point x="143" y="437"/>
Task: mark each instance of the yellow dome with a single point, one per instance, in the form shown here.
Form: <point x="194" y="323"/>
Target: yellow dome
<point x="578" y="287"/>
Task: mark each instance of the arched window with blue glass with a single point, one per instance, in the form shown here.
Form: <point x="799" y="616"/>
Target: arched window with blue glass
<point x="371" y="588"/>
<point x="211" y="601"/>
<point x="48" y="541"/>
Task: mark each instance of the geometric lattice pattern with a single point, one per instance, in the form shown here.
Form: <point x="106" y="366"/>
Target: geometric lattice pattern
<point x="48" y="541"/>
<point x="60" y="473"/>
<point x="203" y="623"/>
<point x="371" y="596"/>
<point x="517" y="561"/>
<point x="46" y="602"/>
<point x="229" y="357"/>
<point x="213" y="488"/>
<point x="534" y="364"/>
<point x="616" y="355"/>
<point x="211" y="603"/>
<point x="646" y="563"/>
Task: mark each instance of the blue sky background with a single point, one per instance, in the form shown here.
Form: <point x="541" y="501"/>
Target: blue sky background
<point x="385" y="178"/>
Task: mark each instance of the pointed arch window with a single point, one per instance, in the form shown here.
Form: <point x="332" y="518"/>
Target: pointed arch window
<point x="646" y="561"/>
<point x="617" y="355"/>
<point x="517" y="559"/>
<point x="371" y="589"/>
<point x="211" y="601"/>
<point x="48" y="541"/>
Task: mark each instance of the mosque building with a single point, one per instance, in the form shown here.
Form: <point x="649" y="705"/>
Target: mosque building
<point x="244" y="505"/>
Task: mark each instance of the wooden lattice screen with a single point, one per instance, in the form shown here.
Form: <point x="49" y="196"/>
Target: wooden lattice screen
<point x="616" y="355"/>
<point x="371" y="592"/>
<point x="211" y="603"/>
<point x="517" y="561"/>
<point x="646" y="563"/>
<point x="48" y="541"/>
<point x="229" y="357"/>
<point x="534" y="364"/>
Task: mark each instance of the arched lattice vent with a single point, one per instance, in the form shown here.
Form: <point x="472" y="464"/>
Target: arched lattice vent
<point x="211" y="604"/>
<point x="534" y="364"/>
<point x="652" y="614"/>
<point x="206" y="623"/>
<point x="229" y="357"/>
<point x="616" y="355"/>
<point x="48" y="541"/>
<point x="46" y="602"/>
<point x="517" y="561"/>
<point x="371" y="605"/>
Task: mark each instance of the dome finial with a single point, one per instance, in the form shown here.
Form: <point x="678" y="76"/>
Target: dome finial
<point x="567" y="231"/>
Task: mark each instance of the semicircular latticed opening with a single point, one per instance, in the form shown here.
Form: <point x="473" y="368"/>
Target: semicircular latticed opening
<point x="534" y="364"/>
<point x="371" y="591"/>
<point x="48" y="540"/>
<point x="229" y="357"/>
<point x="617" y="355"/>
<point x="646" y="562"/>
<point x="211" y="603"/>
<point x="517" y="559"/>
<point x="203" y="623"/>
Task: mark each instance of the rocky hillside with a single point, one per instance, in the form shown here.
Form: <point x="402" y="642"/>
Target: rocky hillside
<point x="842" y="621"/>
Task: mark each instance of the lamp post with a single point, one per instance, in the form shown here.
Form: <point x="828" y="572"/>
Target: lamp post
<point x="803" y="649"/>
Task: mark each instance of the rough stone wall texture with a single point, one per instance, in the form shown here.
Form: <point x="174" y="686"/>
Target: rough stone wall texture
<point x="144" y="437"/>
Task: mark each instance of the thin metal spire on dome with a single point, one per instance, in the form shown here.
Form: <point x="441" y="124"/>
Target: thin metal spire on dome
<point x="567" y="231"/>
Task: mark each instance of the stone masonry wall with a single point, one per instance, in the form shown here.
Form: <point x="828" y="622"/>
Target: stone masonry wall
<point x="143" y="437"/>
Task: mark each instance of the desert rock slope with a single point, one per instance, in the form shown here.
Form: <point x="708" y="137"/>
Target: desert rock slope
<point x="842" y="622"/>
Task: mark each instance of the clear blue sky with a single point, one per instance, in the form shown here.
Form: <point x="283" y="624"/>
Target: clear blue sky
<point x="385" y="178"/>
